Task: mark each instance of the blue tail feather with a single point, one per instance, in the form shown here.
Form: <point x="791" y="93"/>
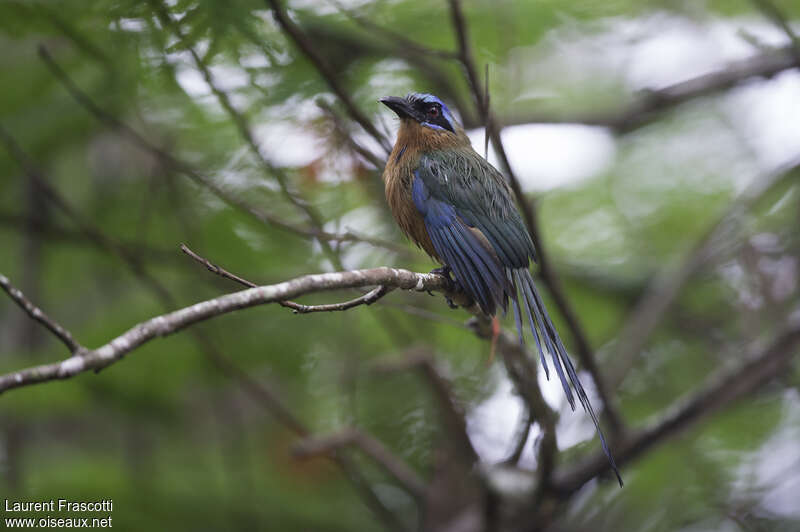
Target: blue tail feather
<point x="551" y="341"/>
<point x="521" y="285"/>
<point x="533" y="302"/>
<point x="515" y="304"/>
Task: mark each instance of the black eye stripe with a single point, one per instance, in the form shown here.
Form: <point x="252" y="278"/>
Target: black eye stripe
<point x="425" y="109"/>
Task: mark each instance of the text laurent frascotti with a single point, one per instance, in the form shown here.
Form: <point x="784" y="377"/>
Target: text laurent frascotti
<point x="61" y="505"/>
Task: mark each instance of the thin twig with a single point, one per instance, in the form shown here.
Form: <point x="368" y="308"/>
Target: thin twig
<point x="38" y="315"/>
<point x="213" y="268"/>
<point x="367" y="299"/>
<point x="323" y="445"/>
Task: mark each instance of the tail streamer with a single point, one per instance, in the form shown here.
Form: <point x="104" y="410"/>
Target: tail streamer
<point x="547" y="339"/>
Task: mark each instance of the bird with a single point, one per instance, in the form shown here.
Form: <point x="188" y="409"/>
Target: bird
<point x="458" y="208"/>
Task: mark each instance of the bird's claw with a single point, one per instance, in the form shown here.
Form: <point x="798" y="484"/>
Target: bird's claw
<point x="444" y="271"/>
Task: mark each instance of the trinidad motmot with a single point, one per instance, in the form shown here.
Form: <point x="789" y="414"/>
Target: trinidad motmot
<point x="457" y="207"/>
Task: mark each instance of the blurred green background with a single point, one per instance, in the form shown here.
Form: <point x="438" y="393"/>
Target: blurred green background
<point x="173" y="434"/>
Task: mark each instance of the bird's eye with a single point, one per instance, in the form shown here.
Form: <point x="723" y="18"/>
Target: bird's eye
<point x="433" y="111"/>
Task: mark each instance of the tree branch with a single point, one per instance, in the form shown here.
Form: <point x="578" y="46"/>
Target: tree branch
<point x="213" y="268"/>
<point x="367" y="299"/>
<point x="172" y="322"/>
<point x="38" y="315"/>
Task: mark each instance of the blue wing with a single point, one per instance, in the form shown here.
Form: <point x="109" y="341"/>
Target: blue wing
<point x="474" y="264"/>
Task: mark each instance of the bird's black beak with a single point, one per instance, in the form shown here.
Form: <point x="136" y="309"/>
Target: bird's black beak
<point x="399" y="105"/>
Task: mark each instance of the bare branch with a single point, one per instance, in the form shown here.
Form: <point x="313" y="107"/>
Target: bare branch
<point x="38" y="315"/>
<point x="367" y="299"/>
<point x="547" y="273"/>
<point x="719" y="391"/>
<point x="175" y="321"/>
<point x="213" y="268"/>
<point x="373" y="448"/>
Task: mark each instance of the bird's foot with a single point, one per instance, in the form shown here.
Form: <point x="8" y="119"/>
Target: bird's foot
<point x="444" y="271"/>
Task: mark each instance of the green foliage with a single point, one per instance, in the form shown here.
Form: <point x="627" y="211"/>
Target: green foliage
<point x="178" y="444"/>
